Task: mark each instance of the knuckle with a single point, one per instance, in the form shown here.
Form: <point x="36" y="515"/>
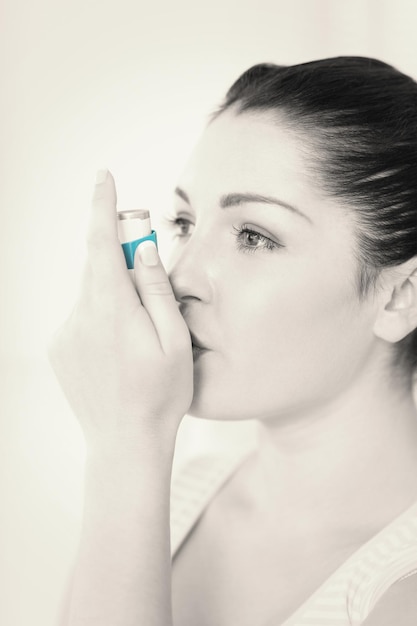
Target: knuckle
<point x="97" y="242"/>
<point x="158" y="288"/>
<point x="75" y="331"/>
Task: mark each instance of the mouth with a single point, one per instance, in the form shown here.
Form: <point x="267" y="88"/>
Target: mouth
<point x="198" y="349"/>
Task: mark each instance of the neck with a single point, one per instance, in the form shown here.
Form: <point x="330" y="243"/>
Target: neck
<point x="353" y="454"/>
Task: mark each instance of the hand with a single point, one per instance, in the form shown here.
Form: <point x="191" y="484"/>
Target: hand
<point x="124" y="357"/>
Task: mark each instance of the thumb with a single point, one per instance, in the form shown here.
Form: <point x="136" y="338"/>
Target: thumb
<point x="158" y="298"/>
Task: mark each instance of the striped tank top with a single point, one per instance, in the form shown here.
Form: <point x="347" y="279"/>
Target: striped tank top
<point x="351" y="592"/>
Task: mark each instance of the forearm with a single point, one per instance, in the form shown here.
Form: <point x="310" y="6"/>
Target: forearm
<point x="123" y="573"/>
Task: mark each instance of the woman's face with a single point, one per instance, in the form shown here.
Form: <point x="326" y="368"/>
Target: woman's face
<point x="264" y="266"/>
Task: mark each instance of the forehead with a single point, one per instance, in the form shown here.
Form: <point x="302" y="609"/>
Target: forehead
<point x="251" y="152"/>
<point x="258" y="154"/>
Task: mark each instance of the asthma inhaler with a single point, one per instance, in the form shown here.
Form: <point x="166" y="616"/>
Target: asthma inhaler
<point x="134" y="227"/>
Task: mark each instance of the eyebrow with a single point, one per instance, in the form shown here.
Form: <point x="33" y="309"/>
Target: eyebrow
<point x="235" y="199"/>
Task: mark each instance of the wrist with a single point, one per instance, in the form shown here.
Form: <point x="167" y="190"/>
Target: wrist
<point x="123" y="486"/>
<point x="137" y="449"/>
<point x="121" y="462"/>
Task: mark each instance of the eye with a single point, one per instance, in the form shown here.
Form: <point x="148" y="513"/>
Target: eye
<point x="250" y="240"/>
<point x="180" y="226"/>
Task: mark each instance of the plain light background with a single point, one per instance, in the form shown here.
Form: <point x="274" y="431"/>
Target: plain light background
<point x="126" y="85"/>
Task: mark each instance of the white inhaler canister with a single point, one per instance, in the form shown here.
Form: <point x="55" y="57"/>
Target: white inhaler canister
<point x="134" y="227"/>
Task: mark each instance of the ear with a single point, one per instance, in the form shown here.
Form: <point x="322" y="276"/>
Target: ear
<point x="397" y="315"/>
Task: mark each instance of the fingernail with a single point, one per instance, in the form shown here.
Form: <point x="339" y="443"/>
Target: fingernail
<point x="101" y="176"/>
<point x="148" y="253"/>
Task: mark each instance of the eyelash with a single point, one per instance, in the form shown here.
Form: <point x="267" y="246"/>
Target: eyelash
<point x="267" y="243"/>
<point x="177" y="223"/>
<point x="239" y="233"/>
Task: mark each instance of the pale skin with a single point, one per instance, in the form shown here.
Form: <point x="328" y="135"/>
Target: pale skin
<point x="269" y="291"/>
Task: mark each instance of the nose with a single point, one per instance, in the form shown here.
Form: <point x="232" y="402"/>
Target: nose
<point x="189" y="270"/>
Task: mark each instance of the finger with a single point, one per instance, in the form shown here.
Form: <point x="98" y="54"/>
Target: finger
<point x="104" y="251"/>
<point x="158" y="298"/>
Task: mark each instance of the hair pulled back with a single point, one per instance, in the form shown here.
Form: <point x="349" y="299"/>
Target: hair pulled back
<point x="361" y="115"/>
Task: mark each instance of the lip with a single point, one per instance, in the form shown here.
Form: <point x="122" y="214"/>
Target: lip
<point x="196" y="342"/>
<point x="197" y="351"/>
<point x="198" y="347"/>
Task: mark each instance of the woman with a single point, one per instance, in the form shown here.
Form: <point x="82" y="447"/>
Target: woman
<point x="295" y="270"/>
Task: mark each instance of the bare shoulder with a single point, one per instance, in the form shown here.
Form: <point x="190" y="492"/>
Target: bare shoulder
<point x="398" y="606"/>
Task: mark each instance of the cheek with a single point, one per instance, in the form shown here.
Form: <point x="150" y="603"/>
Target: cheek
<point x="282" y="308"/>
<point x="287" y="328"/>
<point x="288" y="339"/>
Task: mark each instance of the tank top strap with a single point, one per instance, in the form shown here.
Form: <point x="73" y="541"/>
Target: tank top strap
<point x="385" y="560"/>
<point x="193" y="486"/>
<point x="348" y="596"/>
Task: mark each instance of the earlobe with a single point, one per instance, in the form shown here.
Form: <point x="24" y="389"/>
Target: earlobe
<point x="397" y="317"/>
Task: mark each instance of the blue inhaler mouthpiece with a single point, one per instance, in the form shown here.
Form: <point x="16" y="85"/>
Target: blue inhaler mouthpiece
<point x="133" y="228"/>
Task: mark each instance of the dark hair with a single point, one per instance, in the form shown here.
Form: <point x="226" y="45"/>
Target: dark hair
<point x="361" y="114"/>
